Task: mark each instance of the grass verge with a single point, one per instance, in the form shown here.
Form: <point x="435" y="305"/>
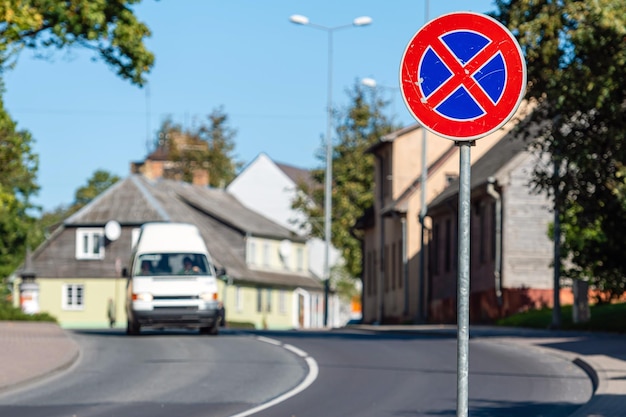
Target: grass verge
<point x="604" y="318"/>
<point x="10" y="313"/>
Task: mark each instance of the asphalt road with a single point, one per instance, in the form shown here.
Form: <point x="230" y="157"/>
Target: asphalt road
<point x="379" y="375"/>
<point x="360" y="374"/>
<point x="160" y="374"/>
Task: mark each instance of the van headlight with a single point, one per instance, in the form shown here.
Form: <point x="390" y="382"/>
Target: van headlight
<point x="208" y="296"/>
<point x="143" y="296"/>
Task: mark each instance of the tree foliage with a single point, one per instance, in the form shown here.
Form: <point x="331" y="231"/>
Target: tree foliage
<point x="109" y="28"/>
<point x="207" y="147"/>
<point x="18" y="170"/>
<point x="96" y="185"/>
<point x="576" y="55"/>
<point x="357" y="128"/>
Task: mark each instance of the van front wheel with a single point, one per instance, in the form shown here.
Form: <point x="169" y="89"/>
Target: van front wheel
<point x="212" y="330"/>
<point x="132" y="327"/>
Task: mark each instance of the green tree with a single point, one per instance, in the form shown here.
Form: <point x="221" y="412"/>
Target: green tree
<point x="18" y="169"/>
<point x="220" y="138"/>
<point x="207" y="147"/>
<point x="96" y="185"/>
<point x="576" y="56"/>
<point x="357" y="127"/>
<point x="109" y="28"/>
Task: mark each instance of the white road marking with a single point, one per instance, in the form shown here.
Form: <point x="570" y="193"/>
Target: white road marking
<point x="308" y="380"/>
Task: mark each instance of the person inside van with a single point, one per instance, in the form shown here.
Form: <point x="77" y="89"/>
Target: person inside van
<point x="146" y="268"/>
<point x="188" y="267"/>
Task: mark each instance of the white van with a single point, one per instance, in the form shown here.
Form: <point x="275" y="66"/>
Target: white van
<point x="172" y="281"/>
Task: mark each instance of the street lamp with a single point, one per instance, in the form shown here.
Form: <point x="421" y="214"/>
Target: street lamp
<point x="303" y="20"/>
<point x="373" y="84"/>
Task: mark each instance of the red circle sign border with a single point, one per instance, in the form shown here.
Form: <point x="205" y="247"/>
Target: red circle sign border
<point x="515" y="82"/>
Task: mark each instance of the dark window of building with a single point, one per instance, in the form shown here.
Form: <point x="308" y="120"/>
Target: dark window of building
<point x="259" y="300"/>
<point x="493" y="231"/>
<point x="435" y="250"/>
<point x="483" y="234"/>
<point x="448" y="246"/>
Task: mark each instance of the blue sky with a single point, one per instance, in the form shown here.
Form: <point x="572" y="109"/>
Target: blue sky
<point x="268" y="74"/>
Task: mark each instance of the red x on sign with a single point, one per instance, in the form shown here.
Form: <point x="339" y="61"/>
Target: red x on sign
<point x="463" y="75"/>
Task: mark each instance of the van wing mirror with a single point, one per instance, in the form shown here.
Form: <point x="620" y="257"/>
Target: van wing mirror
<point x="220" y="271"/>
<point x="125" y="272"/>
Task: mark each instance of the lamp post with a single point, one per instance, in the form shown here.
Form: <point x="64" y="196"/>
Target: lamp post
<point x="303" y="20"/>
<point x="372" y="83"/>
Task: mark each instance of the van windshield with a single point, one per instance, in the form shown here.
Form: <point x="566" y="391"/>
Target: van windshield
<point x="155" y="264"/>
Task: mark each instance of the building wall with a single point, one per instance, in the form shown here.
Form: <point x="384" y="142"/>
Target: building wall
<point x="529" y="250"/>
<point x="97" y="293"/>
<point x="405" y="161"/>
<point x="276" y="255"/>
<point x="264" y="188"/>
<point x="242" y="308"/>
<point x="249" y="304"/>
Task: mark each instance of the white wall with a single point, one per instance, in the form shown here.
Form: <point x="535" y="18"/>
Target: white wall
<point x="265" y="188"/>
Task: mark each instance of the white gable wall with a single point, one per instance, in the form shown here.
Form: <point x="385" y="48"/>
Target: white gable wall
<point x="262" y="186"/>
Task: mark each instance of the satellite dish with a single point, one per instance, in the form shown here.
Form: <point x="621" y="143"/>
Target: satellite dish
<point x="112" y="230"/>
<point x="284" y="249"/>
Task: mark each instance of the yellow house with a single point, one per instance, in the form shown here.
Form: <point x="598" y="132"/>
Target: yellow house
<point x="79" y="268"/>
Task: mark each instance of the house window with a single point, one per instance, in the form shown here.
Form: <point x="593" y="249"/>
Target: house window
<point x="73" y="297"/>
<point x="494" y="228"/>
<point x="238" y="299"/>
<point x="435" y="251"/>
<point x="448" y="246"/>
<point x="385" y="169"/>
<point x="384" y="258"/>
<point x="482" y="252"/>
<point x="268" y="306"/>
<point x="282" y="302"/>
<point x="300" y="259"/>
<point x="251" y="253"/>
<point x="266" y="254"/>
<point x="394" y="276"/>
<point x="90" y="243"/>
<point x="259" y="300"/>
<point x="373" y="272"/>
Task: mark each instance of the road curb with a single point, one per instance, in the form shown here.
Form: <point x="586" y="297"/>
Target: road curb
<point x="590" y="371"/>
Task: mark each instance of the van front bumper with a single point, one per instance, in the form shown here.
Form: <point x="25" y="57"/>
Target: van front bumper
<point x="176" y="317"/>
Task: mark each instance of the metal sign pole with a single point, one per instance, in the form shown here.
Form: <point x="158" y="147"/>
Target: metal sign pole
<point x="462" y="77"/>
<point x="463" y="285"/>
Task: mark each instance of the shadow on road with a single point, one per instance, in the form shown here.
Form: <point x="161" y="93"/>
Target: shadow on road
<point x="478" y="408"/>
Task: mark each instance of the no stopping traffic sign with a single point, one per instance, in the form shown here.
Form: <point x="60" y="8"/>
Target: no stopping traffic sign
<point x="463" y="75"/>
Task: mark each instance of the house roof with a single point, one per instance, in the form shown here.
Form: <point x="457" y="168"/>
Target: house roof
<point x="223" y="221"/>
<point x="297" y="175"/>
<point x="392" y="136"/>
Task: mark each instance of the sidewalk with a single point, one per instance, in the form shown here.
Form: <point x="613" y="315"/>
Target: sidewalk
<point x="602" y="356"/>
<point x="33" y="350"/>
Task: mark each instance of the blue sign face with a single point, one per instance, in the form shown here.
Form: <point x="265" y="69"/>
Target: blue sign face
<point x="462" y="104"/>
